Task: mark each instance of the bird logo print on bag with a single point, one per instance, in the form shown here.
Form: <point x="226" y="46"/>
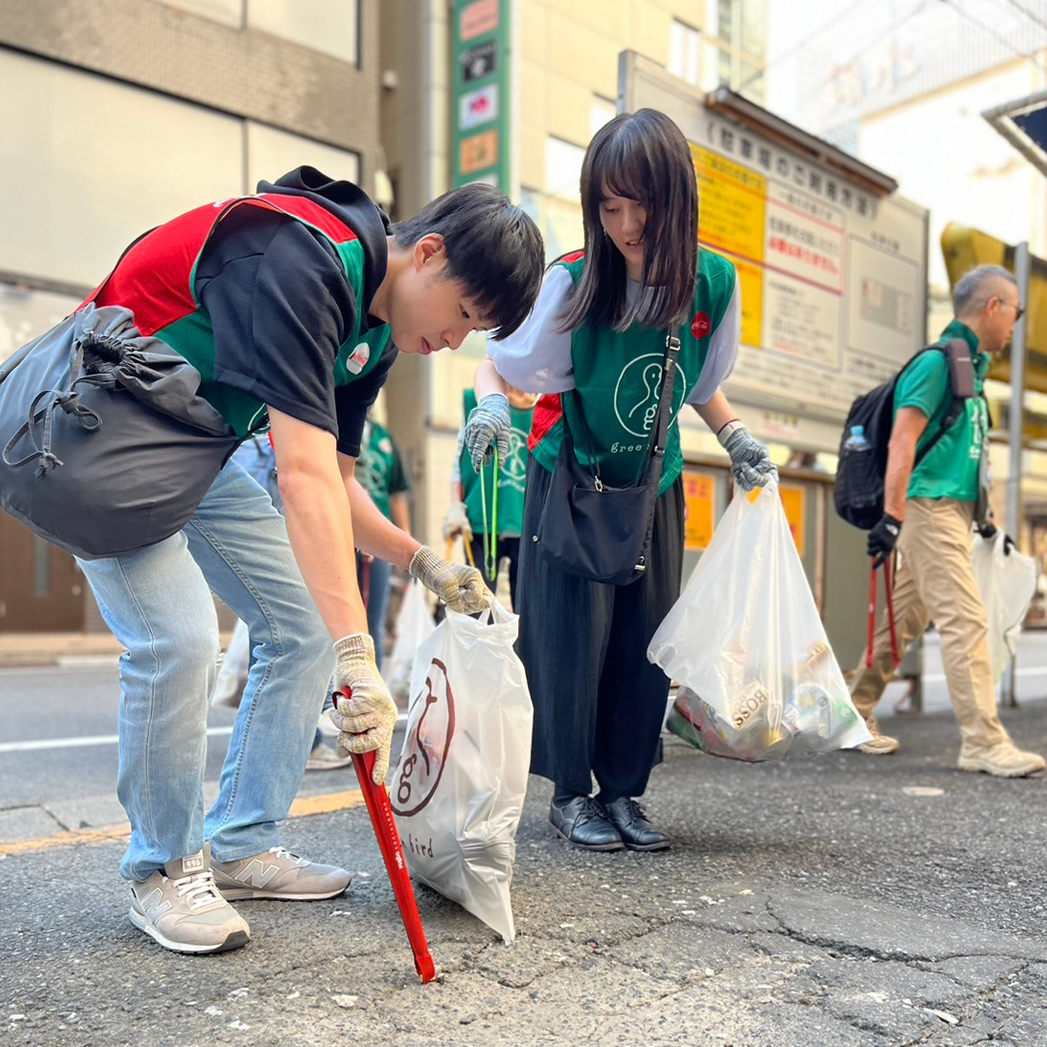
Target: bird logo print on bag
<point x="427" y="744"/>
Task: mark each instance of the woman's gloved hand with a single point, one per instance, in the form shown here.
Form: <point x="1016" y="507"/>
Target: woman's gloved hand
<point x="366" y="719"/>
<point x="460" y="587"/>
<point x="750" y="460"/>
<point x="489" y="424"/>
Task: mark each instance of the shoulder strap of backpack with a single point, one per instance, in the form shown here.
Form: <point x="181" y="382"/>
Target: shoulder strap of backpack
<point x="961" y="385"/>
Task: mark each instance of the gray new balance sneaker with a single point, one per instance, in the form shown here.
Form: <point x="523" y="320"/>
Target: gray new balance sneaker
<point x="277" y="873"/>
<point x="182" y="909"/>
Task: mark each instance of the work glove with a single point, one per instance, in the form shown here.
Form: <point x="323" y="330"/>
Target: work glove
<point x="461" y="588"/>
<point x="366" y="719"/>
<point x="456" y="522"/>
<point x="750" y="460"/>
<point x="883" y="538"/>
<point x="489" y="423"/>
<point x="988" y="531"/>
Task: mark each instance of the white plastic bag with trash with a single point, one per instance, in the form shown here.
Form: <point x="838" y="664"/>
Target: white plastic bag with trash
<point x="459" y="786"/>
<point x="414" y="625"/>
<point x="757" y="677"/>
<point x="1007" y="582"/>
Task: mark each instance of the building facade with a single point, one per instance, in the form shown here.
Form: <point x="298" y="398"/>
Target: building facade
<point x="560" y="88"/>
<point x="121" y="114"/>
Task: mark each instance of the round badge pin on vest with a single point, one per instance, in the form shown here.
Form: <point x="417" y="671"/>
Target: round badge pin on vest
<point x="700" y="325"/>
<point x="361" y="354"/>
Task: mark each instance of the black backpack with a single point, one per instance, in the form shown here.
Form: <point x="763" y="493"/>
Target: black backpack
<point x="858" y="494"/>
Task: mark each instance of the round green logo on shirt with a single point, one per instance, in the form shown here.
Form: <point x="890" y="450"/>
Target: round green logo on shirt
<point x="638" y="391"/>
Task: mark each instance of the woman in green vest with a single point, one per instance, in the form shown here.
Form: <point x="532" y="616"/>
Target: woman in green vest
<point x="595" y="345"/>
<point x="491" y="526"/>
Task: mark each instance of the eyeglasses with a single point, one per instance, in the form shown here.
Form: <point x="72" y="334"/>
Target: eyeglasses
<point x="1019" y="311"/>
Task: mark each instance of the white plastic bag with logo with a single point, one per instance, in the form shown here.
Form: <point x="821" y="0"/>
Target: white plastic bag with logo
<point x="459" y="786"/>
<point x="1007" y="582"/>
<point x="745" y="642"/>
<point x="414" y="625"/>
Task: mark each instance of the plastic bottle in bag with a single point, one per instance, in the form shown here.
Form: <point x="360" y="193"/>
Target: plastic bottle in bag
<point x="857" y="441"/>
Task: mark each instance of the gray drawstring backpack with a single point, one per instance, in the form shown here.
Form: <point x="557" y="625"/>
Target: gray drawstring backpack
<point x="107" y="445"/>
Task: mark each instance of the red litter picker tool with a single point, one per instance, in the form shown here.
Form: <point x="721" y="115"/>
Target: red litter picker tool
<point x="377" y="800"/>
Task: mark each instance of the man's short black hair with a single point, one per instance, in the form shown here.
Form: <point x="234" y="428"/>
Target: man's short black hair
<point x="493" y="248"/>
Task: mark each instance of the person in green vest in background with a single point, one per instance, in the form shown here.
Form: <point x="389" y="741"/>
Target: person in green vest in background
<point x="380" y="470"/>
<point x="596" y="345"/>
<point x="491" y="527"/>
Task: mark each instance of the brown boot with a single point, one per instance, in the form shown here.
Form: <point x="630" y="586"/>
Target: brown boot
<point x="879" y="744"/>
<point x="1002" y="760"/>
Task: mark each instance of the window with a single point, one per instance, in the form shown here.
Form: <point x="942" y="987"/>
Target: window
<point x="228" y="11"/>
<point x="563" y="168"/>
<point x="685" y="52"/>
<point x="272" y="153"/>
<point x="601" y="111"/>
<point x="79" y="207"/>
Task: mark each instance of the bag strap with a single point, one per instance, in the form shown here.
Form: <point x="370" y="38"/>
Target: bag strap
<point x="961" y="387"/>
<point x="659" y="431"/>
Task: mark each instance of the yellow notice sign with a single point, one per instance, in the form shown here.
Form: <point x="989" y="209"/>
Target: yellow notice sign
<point x="750" y="279"/>
<point x="732" y="203"/>
<point x="699" y="494"/>
<point x="794" y="498"/>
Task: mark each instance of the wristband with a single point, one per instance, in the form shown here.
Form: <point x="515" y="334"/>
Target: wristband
<point x="727" y="430"/>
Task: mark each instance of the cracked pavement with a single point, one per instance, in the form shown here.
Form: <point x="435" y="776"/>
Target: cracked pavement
<point x="838" y="901"/>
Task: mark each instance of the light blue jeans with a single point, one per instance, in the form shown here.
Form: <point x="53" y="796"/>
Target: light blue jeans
<point x="375" y="576"/>
<point x="157" y="601"/>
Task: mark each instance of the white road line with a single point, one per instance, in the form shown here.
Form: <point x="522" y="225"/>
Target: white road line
<point x="101" y="739"/>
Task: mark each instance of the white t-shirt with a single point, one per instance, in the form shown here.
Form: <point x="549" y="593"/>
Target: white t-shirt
<point x="536" y="358"/>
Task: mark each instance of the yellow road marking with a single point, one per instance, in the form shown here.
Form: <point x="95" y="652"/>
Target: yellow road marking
<point x="325" y="803"/>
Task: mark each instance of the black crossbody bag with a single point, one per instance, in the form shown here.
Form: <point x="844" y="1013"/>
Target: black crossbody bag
<point x="603" y="533"/>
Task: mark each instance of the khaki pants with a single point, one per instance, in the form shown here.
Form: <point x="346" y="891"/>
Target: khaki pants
<point x="935" y="582"/>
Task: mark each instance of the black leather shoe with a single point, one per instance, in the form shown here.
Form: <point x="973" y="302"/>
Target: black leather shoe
<point x="581" y="821"/>
<point x="628" y="817"/>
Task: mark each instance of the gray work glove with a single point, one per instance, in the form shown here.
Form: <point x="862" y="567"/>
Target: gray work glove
<point x="489" y="423"/>
<point x="750" y="460"/>
<point x="461" y="588"/>
<point x="456" y="522"/>
<point x="366" y="720"/>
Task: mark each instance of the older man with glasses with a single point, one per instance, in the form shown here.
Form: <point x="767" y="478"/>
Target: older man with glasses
<point x="930" y="510"/>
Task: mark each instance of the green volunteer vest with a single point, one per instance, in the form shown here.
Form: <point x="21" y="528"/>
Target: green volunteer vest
<point x="193" y="337"/>
<point x="512" y="477"/>
<point x="378" y="468"/>
<point x="617" y="378"/>
<point x="951" y="469"/>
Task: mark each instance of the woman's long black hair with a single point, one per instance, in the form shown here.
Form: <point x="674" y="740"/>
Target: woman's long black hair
<point x="645" y="157"/>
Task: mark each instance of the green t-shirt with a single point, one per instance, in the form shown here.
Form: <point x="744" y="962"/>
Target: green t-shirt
<point x="512" y="477"/>
<point x="379" y="468"/>
<point x="951" y="468"/>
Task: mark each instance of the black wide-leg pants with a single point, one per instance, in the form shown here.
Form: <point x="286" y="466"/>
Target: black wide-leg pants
<point x="598" y="702"/>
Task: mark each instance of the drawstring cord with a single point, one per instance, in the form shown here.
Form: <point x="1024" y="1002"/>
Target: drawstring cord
<point x="45" y="405"/>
